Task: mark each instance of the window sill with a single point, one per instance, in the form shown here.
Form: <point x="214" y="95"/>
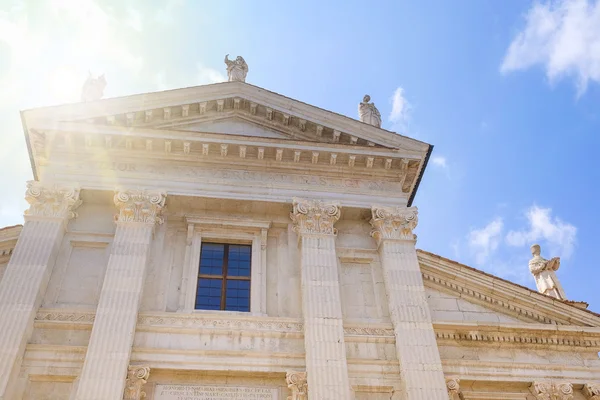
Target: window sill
<point x="224" y="312"/>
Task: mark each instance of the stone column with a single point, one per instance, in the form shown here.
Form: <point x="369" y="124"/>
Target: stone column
<point x="326" y="364"/>
<point x="26" y="277"/>
<point x="420" y="365"/>
<point x="107" y="359"/>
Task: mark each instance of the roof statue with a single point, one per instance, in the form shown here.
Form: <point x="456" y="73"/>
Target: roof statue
<point x="544" y="272"/>
<point x="93" y="88"/>
<point x="368" y="113"/>
<point x="236" y="69"/>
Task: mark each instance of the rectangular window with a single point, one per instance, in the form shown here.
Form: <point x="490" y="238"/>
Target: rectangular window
<point x="224" y="277"/>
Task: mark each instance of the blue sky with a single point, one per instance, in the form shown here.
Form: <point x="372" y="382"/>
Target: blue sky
<point x="508" y="92"/>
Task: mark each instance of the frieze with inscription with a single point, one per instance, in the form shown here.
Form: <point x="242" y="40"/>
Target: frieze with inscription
<point x="237" y="177"/>
<point x="209" y="392"/>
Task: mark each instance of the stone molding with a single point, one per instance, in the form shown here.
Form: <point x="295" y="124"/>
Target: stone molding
<point x="510" y="308"/>
<point x="592" y="391"/>
<point x="137" y="376"/>
<point x="139" y="206"/>
<point x="312" y="217"/>
<point x="523" y="334"/>
<point x="51" y="201"/>
<point x="297" y="383"/>
<point x="454" y="392"/>
<point x="393" y="223"/>
<point x="552" y="390"/>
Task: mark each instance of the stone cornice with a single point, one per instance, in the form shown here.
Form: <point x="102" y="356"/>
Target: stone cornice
<point x="191" y="146"/>
<point x="499" y="294"/>
<point x="51" y="201"/>
<point x="527" y="335"/>
<point x="193" y="97"/>
<point x="505" y="335"/>
<point x="315" y="217"/>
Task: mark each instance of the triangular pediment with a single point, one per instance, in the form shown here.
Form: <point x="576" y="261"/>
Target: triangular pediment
<point x="184" y="107"/>
<point x="461" y="294"/>
<point x="235" y="125"/>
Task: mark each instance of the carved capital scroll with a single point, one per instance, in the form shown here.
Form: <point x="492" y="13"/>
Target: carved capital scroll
<point x="296" y="382"/>
<point x="315" y="217"/>
<point x="137" y="376"/>
<point x="394" y="223"/>
<point x="51" y="201"/>
<point x="454" y="392"/>
<point x="592" y="391"/>
<point x="552" y="390"/>
<point x="139" y="206"/>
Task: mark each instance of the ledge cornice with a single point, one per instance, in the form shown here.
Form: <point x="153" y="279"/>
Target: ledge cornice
<point x="500" y="295"/>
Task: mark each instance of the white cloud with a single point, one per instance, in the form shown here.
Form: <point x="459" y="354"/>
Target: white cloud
<point x="484" y="242"/>
<point x="439" y="161"/>
<point x="400" y="113"/>
<point x="209" y="75"/>
<point x="559" y="235"/>
<point x="562" y="36"/>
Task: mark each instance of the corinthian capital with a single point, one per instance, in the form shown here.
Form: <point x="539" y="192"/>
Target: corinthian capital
<point x="136" y="378"/>
<point x="552" y="391"/>
<point x="314" y="216"/>
<point x="51" y="201"/>
<point x="453" y="386"/>
<point x="139" y="206"/>
<point x="393" y="223"/>
<point x="592" y="391"/>
<point x="296" y="382"/>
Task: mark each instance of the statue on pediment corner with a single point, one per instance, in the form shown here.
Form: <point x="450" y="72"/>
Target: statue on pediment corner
<point x="93" y="88"/>
<point x="368" y="113"/>
<point x="236" y="69"/>
<point x="544" y="272"/>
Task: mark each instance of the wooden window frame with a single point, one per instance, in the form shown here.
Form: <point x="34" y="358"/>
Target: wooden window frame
<point x="225" y="230"/>
<point x="224" y="277"/>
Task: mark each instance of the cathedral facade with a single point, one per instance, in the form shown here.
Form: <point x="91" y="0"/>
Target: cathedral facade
<point x="227" y="242"/>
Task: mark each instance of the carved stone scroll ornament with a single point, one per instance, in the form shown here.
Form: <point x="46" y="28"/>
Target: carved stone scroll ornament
<point x="394" y="223"/>
<point x="544" y="272"/>
<point x="136" y="378"/>
<point x="592" y="391"/>
<point x="315" y="217"/>
<point x="139" y="206"/>
<point x="552" y="391"/>
<point x="454" y="392"/>
<point x="51" y="201"/>
<point x="296" y="382"/>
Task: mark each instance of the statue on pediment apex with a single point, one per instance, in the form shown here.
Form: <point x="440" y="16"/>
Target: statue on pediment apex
<point x="93" y="88"/>
<point x="368" y="113"/>
<point x="236" y="69"/>
<point x="544" y="272"/>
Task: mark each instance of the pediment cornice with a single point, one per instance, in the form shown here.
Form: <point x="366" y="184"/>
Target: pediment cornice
<point x="501" y="295"/>
<point x="169" y="108"/>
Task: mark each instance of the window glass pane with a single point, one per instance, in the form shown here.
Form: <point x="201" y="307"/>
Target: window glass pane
<point x="211" y="258"/>
<point x="239" y="260"/>
<point x="238" y="295"/>
<point x="209" y="294"/>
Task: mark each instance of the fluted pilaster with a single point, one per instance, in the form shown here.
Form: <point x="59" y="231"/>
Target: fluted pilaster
<point x="106" y="364"/>
<point x="26" y="278"/>
<point x="416" y="347"/>
<point x="326" y="362"/>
